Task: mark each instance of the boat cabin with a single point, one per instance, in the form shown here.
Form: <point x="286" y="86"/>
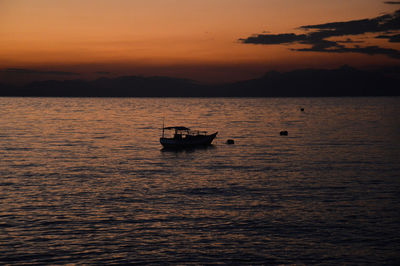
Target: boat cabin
<point x="183" y="132"/>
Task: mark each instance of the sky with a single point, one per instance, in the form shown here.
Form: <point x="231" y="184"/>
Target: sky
<point x="209" y="40"/>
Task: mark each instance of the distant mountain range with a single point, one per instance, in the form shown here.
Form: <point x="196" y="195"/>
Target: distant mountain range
<point x="344" y="81"/>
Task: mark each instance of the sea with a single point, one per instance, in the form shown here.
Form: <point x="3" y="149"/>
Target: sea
<point x="86" y="181"/>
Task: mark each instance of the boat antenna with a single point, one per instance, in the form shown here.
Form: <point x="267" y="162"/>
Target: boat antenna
<point x="163" y="127"/>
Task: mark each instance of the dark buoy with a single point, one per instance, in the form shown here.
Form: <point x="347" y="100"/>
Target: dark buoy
<point x="283" y="133"/>
<point x="302" y="109"/>
<point x="230" y="141"/>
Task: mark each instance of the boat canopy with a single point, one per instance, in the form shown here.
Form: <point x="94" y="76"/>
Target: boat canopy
<point x="176" y="128"/>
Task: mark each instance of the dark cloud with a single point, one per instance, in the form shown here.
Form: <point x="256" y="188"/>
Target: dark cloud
<point x="355" y="27"/>
<point x="274" y="38"/>
<point x="317" y="36"/>
<point x="39" y="72"/>
<point x="348" y="40"/>
<point x="392" y="2"/>
<point x="391" y="38"/>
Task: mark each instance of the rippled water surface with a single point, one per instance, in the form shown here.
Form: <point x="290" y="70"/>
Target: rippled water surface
<point x="85" y="181"/>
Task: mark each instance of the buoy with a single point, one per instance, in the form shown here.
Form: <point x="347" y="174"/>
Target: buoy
<point x="283" y="133"/>
<point x="230" y="141"/>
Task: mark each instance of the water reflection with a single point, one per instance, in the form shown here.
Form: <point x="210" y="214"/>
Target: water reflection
<point x="189" y="148"/>
<point x="87" y="181"/>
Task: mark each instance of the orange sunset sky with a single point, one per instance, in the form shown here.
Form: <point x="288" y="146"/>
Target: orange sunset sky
<point x="201" y="40"/>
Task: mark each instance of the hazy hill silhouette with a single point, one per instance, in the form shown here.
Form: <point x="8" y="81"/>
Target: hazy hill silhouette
<point x="127" y="86"/>
<point x="344" y="81"/>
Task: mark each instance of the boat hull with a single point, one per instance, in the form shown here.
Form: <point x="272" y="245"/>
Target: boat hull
<point x="190" y="142"/>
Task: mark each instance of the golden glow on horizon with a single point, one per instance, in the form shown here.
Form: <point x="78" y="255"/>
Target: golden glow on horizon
<point x="166" y="32"/>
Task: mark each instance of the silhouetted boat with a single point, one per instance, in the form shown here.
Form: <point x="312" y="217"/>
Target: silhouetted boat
<point x="183" y="137"/>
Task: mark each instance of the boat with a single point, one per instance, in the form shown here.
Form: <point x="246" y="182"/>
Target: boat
<point x="184" y="137"/>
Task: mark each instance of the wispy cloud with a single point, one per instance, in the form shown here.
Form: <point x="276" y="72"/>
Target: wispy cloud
<point x="103" y="72"/>
<point x="317" y="36"/>
<point x="24" y="71"/>
<point x="392" y="2"/>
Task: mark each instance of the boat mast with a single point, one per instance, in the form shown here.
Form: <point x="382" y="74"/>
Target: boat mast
<point x="163" y="127"/>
